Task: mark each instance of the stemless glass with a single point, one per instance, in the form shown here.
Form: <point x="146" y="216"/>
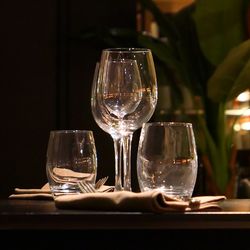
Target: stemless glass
<point x="167" y="159"/>
<point x="124" y="96"/>
<point x="71" y="158"/>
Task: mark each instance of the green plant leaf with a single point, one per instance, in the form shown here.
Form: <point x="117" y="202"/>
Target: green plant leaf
<point x="192" y="68"/>
<point x="162" y="51"/>
<point x="220" y="26"/>
<point x="232" y="76"/>
<point x="242" y="82"/>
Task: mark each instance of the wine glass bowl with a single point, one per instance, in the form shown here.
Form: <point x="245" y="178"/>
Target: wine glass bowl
<point x="122" y="84"/>
<point x="124" y="96"/>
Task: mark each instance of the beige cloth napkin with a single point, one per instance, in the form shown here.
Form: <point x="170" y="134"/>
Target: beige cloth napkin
<point x="152" y="201"/>
<point x="44" y="193"/>
<point x="39" y="193"/>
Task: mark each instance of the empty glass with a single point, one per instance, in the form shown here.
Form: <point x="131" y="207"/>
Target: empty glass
<point x="124" y="96"/>
<point x="167" y="159"/>
<point x="71" y="158"/>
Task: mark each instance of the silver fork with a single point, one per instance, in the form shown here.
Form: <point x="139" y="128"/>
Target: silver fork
<point x="101" y="182"/>
<point x="86" y="187"/>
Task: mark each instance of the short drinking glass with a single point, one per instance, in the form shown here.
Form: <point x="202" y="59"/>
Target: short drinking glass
<point x="167" y="159"/>
<point x="71" y="158"/>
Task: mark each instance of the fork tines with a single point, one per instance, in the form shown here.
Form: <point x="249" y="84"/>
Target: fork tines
<point x="86" y="187"/>
<point x="101" y="182"/>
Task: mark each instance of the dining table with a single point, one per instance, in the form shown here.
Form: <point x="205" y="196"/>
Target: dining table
<point x="41" y="220"/>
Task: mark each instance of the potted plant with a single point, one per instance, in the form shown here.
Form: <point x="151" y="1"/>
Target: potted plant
<point x="212" y="60"/>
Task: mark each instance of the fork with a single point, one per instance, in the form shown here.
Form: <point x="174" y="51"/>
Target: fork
<point x="87" y="187"/>
<point x="101" y="182"/>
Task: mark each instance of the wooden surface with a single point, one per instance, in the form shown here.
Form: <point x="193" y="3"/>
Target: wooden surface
<point x="38" y="214"/>
<point x="36" y="224"/>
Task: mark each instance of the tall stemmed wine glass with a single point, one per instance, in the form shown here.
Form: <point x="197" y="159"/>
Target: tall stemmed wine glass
<point x="124" y="96"/>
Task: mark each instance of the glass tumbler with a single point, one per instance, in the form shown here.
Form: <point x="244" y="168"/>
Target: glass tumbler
<point x="71" y="158"/>
<point x="167" y="159"/>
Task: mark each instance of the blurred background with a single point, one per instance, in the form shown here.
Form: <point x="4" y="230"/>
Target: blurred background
<point x="46" y="78"/>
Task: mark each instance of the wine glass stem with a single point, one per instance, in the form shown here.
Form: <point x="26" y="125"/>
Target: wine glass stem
<point x="118" y="163"/>
<point x="127" y="142"/>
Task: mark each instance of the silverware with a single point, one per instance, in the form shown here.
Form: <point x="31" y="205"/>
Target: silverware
<point x="87" y="187"/>
<point x="101" y="182"/>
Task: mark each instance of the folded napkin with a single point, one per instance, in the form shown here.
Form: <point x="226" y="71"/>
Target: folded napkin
<point x="44" y="193"/>
<point x="151" y="201"/>
<point x="39" y="193"/>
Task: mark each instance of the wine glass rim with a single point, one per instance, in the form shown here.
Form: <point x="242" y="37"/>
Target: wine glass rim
<point x="70" y="131"/>
<point x="172" y="123"/>
<point x="126" y="50"/>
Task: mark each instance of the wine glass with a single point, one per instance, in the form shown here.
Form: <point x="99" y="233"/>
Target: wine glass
<point x="124" y="96"/>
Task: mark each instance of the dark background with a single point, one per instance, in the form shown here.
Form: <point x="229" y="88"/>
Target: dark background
<point x="46" y="80"/>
